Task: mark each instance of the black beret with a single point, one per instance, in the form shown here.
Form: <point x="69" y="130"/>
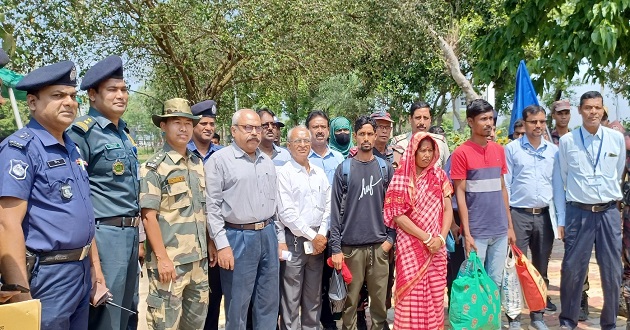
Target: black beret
<point x="4" y="58"/>
<point x="62" y="73"/>
<point x="207" y="108"/>
<point x="109" y="67"/>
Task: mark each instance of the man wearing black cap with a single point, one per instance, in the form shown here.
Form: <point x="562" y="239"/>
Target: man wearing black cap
<point x="201" y="142"/>
<point x="112" y="164"/>
<point x="46" y="215"/>
<point x="202" y="146"/>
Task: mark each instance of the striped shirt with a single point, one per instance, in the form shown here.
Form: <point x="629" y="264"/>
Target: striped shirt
<point x="482" y="168"/>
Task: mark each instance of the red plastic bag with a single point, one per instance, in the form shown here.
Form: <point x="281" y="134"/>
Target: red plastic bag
<point x="532" y="283"/>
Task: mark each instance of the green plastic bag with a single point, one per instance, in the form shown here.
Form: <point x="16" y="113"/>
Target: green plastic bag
<point x="475" y="299"/>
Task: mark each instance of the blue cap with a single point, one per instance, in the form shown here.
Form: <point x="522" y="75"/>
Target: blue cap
<point x="62" y="73"/>
<point x="207" y="108"/>
<point x="109" y="67"/>
<point x="4" y="58"/>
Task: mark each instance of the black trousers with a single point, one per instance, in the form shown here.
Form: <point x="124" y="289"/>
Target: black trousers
<point x="455" y="259"/>
<point x="216" y="294"/>
<point x="534" y="232"/>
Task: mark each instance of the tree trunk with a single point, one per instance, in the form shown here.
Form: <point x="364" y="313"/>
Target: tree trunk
<point x="452" y="63"/>
<point x="462" y="123"/>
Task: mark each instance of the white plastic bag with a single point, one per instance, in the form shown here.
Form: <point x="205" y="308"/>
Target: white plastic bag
<point x="511" y="297"/>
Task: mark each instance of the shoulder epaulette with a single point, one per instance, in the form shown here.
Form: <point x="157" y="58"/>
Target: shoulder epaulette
<point x="20" y="138"/>
<point x="84" y="124"/>
<point x="398" y="138"/>
<point x="155" y="161"/>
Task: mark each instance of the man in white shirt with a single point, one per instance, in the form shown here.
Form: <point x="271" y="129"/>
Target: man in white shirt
<point x="303" y="220"/>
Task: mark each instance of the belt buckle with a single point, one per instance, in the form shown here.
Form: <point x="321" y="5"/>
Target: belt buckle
<point x="85" y="251"/>
<point x="134" y="221"/>
<point x="259" y="225"/>
<point x="536" y="211"/>
<point x="594" y="209"/>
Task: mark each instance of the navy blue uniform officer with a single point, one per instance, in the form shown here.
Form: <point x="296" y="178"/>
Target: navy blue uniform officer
<point x="46" y="216"/>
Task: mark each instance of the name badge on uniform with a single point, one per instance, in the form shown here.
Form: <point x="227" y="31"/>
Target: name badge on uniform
<point x="111" y="146"/>
<point x="594" y="181"/>
<point x="118" y="167"/>
<point x="66" y="191"/>
<point x="56" y="162"/>
<point x="176" y="179"/>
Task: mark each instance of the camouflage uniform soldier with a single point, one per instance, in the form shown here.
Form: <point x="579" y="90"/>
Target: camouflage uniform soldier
<point x="172" y="200"/>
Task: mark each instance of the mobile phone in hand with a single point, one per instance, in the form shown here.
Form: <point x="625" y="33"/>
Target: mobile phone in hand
<point x="14" y="287"/>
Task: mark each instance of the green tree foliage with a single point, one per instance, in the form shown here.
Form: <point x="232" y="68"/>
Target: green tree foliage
<point x="555" y="36"/>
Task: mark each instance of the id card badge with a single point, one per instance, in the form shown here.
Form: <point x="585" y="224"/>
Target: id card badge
<point x="594" y="180"/>
<point x="308" y="247"/>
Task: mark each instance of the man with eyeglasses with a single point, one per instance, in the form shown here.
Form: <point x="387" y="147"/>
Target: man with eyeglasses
<point x="270" y="128"/>
<point x="241" y="186"/>
<point x="587" y="189"/>
<point x="304" y="213"/>
<point x="420" y="115"/>
<point x="530" y="161"/>
<point x="519" y="129"/>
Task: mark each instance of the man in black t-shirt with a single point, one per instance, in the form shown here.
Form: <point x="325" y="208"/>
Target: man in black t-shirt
<point x="359" y="233"/>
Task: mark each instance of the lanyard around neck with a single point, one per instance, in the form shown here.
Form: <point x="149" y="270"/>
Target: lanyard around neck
<point x="594" y="162"/>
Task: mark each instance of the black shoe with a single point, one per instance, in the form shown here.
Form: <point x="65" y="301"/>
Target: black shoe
<point x="361" y="324"/>
<point x="583" y="316"/>
<point x="551" y="307"/>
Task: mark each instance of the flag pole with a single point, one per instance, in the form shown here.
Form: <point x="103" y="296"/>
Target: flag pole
<point x="16" y="113"/>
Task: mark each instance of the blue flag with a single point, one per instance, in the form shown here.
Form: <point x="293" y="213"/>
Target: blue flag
<point x="524" y="95"/>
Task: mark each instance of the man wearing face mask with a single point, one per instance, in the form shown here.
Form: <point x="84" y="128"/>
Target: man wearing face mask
<point x="420" y="115"/>
<point x="340" y="129"/>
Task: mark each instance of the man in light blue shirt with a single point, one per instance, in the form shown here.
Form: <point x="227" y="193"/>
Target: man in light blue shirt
<point x="590" y="164"/>
<point x="327" y="159"/>
<point x="321" y="155"/>
<point x="530" y="161"/>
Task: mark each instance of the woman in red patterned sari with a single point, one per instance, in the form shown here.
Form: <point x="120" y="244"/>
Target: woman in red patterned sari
<point x="418" y="205"/>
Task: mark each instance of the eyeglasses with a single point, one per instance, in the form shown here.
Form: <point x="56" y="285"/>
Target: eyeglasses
<point x="269" y="125"/>
<point x="301" y="141"/>
<point x="534" y="122"/>
<point x="250" y="128"/>
<point x="383" y="127"/>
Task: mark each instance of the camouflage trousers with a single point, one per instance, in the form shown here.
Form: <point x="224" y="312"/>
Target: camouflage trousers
<point x="186" y="305"/>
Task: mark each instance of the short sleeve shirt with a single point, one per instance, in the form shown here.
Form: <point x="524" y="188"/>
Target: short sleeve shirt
<point x="174" y="186"/>
<point x="482" y="168"/>
<point x="52" y="178"/>
<point x="112" y="160"/>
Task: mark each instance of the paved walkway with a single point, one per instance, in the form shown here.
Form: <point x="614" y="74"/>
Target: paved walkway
<point x="595" y="294"/>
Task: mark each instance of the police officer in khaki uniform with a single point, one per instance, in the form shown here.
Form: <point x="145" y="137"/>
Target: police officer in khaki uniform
<point x="172" y="202"/>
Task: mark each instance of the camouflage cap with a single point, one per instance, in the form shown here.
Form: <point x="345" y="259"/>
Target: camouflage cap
<point x="176" y="107"/>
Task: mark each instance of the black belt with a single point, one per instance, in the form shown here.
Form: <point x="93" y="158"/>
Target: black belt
<point x="251" y="226"/>
<point x="533" y="210"/>
<point x="119" y="221"/>
<point x="59" y="256"/>
<point x="594" y="207"/>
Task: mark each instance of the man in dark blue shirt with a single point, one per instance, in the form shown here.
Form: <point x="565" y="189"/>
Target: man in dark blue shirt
<point x="46" y="215"/>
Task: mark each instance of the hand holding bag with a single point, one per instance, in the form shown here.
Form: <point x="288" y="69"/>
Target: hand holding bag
<point x="512" y="299"/>
<point x="532" y="283"/>
<point x="475" y="299"/>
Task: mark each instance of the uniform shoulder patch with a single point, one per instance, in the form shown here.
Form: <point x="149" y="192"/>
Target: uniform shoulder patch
<point x="398" y="138"/>
<point x="83" y="124"/>
<point x="155" y="161"/>
<point x="18" y="169"/>
<point x="20" y="138"/>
